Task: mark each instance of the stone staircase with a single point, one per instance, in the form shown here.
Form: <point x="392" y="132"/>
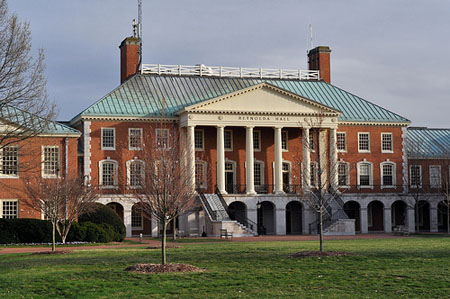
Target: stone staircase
<point x="217" y="208"/>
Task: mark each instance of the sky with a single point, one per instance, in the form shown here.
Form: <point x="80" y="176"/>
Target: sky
<point x="395" y="54"/>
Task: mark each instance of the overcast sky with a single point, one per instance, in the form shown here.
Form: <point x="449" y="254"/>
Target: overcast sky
<point x="393" y="53"/>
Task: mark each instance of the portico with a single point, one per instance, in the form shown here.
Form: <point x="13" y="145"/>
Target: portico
<point x="246" y="109"/>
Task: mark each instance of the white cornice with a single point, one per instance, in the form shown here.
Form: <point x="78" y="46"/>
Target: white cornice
<point x="131" y="118"/>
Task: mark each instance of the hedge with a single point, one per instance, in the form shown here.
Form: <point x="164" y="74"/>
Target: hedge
<point x="105" y="215"/>
<point x="26" y="231"/>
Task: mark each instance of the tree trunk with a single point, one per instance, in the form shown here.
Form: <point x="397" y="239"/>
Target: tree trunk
<point x="321" y="230"/>
<point x="175" y="228"/>
<point x="53" y="236"/>
<point x="163" y="243"/>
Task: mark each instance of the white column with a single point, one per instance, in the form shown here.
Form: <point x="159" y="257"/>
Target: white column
<point x="433" y="219"/>
<point x="127" y="220"/>
<point x="333" y="159"/>
<point x="411" y="217"/>
<point x="306" y="175"/>
<point x="280" y="221"/>
<point x="250" y="184"/>
<point x="278" y="162"/>
<point x="155" y="230"/>
<point x="191" y="154"/>
<point x="363" y="217"/>
<point x="387" y="220"/>
<point x="220" y="160"/>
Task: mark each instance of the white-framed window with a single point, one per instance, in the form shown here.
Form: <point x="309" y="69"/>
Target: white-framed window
<point x="284" y="140"/>
<point x="387" y="143"/>
<point x="313" y="173"/>
<point x="9" y="208"/>
<point x="415" y="176"/>
<point x="135" y="173"/>
<point x="9" y="162"/>
<point x="135" y="139"/>
<point x="364" y="142"/>
<point x="388" y="174"/>
<point x="365" y="174"/>
<point x="258" y="174"/>
<point x="341" y="141"/>
<point x="200" y="174"/>
<point x="257" y="140"/>
<point x="286" y="176"/>
<point x="199" y="139"/>
<point x="162" y="138"/>
<point x="50" y="161"/>
<point x="312" y="146"/>
<point x="108" y="138"/>
<point x="343" y="174"/>
<point x="108" y="174"/>
<point x="136" y="218"/>
<point x="435" y="176"/>
<point x="228" y="140"/>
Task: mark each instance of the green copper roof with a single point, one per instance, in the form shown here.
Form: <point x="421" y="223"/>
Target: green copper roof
<point x="428" y="143"/>
<point x="25" y="119"/>
<point x="142" y="95"/>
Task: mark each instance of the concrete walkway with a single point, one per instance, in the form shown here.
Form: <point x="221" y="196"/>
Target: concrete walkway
<point x="30" y="249"/>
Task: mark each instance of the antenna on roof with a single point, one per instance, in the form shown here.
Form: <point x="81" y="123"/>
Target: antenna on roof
<point x="139" y="31"/>
<point x="311" y="44"/>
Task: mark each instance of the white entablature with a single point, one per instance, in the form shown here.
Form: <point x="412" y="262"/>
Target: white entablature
<point x="262" y="105"/>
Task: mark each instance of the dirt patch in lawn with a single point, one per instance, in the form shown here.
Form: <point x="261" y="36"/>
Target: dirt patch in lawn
<point x="302" y="254"/>
<point x="159" y="247"/>
<point x="52" y="252"/>
<point x="158" y="268"/>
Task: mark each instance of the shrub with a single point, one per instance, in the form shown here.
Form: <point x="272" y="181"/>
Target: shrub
<point x="76" y="233"/>
<point x="26" y="231"/>
<point x="94" y="233"/>
<point x="104" y="214"/>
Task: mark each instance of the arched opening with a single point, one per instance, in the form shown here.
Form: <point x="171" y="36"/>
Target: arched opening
<point x="116" y="207"/>
<point x="375" y="216"/>
<point x="238" y="212"/>
<point x="352" y="209"/>
<point x="443" y="214"/>
<point x="266" y="218"/>
<point x="423" y="215"/>
<point x="294" y="218"/>
<point x="398" y="211"/>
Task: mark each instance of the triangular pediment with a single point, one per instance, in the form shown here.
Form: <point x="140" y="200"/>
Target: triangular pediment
<point x="262" y="98"/>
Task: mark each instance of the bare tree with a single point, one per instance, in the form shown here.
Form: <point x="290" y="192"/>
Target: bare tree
<point x="60" y="201"/>
<point x="165" y="191"/>
<point x="24" y="107"/>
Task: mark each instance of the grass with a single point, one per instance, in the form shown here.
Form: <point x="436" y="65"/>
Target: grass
<point x="190" y="240"/>
<point x="125" y="242"/>
<point x="413" y="267"/>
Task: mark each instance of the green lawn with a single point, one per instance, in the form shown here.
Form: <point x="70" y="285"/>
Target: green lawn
<point x="408" y="267"/>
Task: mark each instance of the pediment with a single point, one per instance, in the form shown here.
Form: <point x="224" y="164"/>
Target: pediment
<point x="261" y="99"/>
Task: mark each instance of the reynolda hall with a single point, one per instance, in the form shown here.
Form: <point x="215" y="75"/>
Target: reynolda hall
<point x="253" y="135"/>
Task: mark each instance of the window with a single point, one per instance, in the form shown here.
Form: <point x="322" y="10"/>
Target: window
<point x="228" y="140"/>
<point x="50" y="161"/>
<point x="341" y="141"/>
<point x="387" y="174"/>
<point x="365" y="174"/>
<point x="108" y="173"/>
<point x="415" y="174"/>
<point x="313" y="174"/>
<point x="9" y="162"/>
<point x="257" y="140"/>
<point x="343" y="177"/>
<point x="108" y="139"/>
<point x="435" y="176"/>
<point x="386" y="143"/>
<point x="136" y="217"/>
<point x="162" y="138"/>
<point x="286" y="172"/>
<point x="198" y="140"/>
<point x="364" y="142"/>
<point x="135" y="173"/>
<point x="258" y="178"/>
<point x="284" y="140"/>
<point x="135" y="138"/>
<point x="9" y="209"/>
<point x="311" y="140"/>
<point x="200" y="174"/>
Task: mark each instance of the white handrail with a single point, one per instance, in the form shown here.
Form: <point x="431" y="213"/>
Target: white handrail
<point x="232" y="72"/>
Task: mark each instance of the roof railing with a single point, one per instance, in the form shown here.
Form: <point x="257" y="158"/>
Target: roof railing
<point x="231" y="72"/>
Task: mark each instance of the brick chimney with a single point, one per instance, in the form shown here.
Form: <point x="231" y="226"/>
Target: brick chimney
<point x="319" y="60"/>
<point x="129" y="57"/>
